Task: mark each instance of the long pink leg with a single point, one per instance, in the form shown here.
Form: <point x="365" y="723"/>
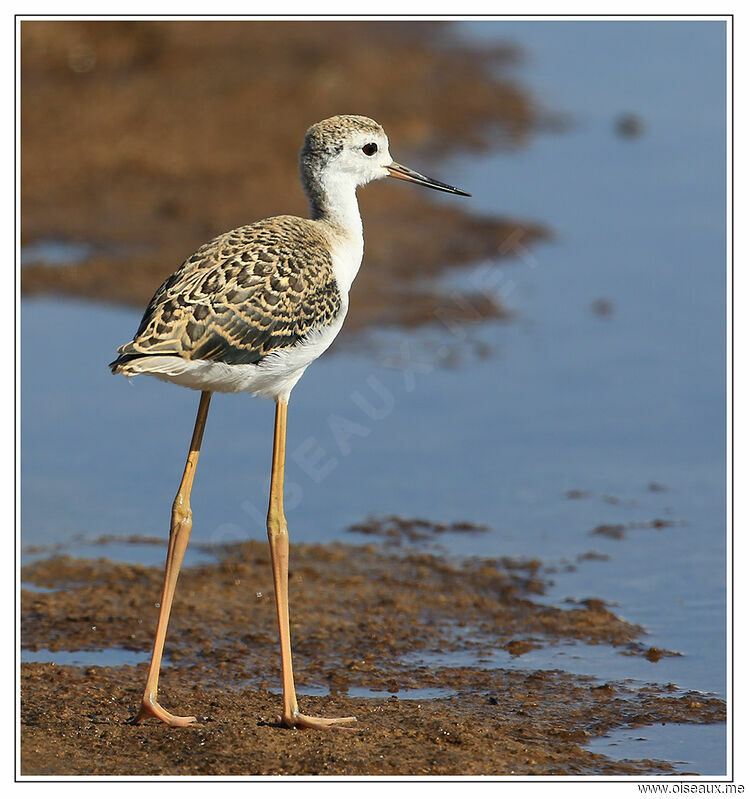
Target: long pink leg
<point x="179" y="535"/>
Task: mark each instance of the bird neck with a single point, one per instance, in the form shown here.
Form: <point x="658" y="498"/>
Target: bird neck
<point x="333" y="199"/>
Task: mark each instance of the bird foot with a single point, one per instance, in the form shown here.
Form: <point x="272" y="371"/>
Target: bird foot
<point x="300" y="721"/>
<point x="151" y="709"/>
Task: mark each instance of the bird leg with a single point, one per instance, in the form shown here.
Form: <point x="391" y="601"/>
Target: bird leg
<point x="278" y="538"/>
<point x="179" y="535"/>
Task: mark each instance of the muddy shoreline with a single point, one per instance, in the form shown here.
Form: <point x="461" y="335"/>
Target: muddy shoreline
<point x="369" y="626"/>
<point x="158" y="137"/>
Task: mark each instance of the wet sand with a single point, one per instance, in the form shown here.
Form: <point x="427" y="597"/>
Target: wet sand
<point x="364" y="618"/>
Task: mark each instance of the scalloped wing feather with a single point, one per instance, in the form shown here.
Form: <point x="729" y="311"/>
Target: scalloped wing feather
<point x="241" y="296"/>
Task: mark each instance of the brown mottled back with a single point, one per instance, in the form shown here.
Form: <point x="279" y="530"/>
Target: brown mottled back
<point x="240" y="296"/>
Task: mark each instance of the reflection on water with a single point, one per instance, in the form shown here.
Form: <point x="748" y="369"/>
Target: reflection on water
<point x="569" y="399"/>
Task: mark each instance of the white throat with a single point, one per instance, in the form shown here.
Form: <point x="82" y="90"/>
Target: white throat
<point x="333" y="203"/>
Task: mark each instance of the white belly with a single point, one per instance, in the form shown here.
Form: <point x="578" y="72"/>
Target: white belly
<point x="274" y="377"/>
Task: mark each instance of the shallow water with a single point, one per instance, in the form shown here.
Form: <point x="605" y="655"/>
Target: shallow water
<point x="604" y="403"/>
<point x="56" y="252"/>
<point x="692" y="748"/>
<point x="84" y="657"/>
<point x="371" y="693"/>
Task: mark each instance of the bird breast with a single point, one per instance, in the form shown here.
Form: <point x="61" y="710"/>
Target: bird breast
<point x="347" y="251"/>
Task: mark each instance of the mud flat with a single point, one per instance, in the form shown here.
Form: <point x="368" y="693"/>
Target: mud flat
<point x="371" y="627"/>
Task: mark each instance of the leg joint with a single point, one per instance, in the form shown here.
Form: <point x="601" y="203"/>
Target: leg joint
<point x="181" y="511"/>
<point x="276" y="523"/>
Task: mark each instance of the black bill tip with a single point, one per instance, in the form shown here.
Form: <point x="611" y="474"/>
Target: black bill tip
<point x="404" y="173"/>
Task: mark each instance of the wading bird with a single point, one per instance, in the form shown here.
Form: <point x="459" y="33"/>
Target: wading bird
<point x="249" y="312"/>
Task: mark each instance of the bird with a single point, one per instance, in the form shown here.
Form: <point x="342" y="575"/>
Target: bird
<point x="248" y="312"/>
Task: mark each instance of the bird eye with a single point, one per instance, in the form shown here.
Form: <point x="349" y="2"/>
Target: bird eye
<point x="370" y="149"/>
